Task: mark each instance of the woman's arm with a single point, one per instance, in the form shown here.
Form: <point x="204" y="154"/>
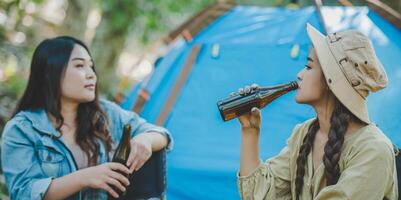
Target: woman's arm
<point x="142" y="146"/>
<point x="249" y="157"/>
<point x="146" y="137"/>
<point x="63" y="187"/>
<point x="119" y="117"/>
<point x="156" y="140"/>
<point x="256" y="180"/>
<point x="250" y="129"/>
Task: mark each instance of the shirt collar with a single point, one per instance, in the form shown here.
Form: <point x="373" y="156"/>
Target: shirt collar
<point x="40" y="121"/>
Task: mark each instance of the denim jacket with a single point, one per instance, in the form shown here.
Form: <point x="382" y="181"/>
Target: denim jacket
<point x="33" y="152"/>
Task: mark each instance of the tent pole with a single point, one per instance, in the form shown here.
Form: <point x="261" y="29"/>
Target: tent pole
<point x="386" y="12"/>
<point x="318" y="4"/>
<point x="178" y="85"/>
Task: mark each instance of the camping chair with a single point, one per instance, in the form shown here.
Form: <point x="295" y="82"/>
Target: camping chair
<point x="149" y="182"/>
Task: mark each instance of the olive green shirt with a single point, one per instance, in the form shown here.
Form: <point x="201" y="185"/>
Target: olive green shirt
<point x="367" y="166"/>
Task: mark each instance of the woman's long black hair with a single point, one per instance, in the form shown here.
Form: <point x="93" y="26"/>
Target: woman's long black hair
<point x="48" y="66"/>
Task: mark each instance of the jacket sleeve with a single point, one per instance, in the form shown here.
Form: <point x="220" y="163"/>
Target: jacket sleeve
<point x="23" y="175"/>
<point x="139" y="125"/>
<point x="368" y="174"/>
<point x="272" y="179"/>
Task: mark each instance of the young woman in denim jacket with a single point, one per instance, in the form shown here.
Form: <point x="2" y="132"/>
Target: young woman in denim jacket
<point x="59" y="142"/>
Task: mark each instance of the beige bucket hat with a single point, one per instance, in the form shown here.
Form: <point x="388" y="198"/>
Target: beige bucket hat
<point x="350" y="66"/>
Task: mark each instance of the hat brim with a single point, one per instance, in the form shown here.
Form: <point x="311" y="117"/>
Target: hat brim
<point x="335" y="78"/>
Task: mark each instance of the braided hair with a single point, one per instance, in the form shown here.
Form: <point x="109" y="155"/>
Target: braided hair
<point x="339" y="122"/>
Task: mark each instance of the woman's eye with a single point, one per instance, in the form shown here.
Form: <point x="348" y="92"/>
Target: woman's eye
<point x="79" y="65"/>
<point x="307" y="67"/>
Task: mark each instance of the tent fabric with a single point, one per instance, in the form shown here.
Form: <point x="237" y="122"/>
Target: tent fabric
<point x="255" y="46"/>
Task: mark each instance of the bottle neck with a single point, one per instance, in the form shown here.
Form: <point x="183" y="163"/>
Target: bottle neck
<point x="126" y="136"/>
<point x="266" y="91"/>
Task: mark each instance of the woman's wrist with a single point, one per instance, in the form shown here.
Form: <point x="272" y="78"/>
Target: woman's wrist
<point x="143" y="139"/>
<point x="82" y="179"/>
<point x="250" y="131"/>
<point x="62" y="187"/>
<point x="250" y="138"/>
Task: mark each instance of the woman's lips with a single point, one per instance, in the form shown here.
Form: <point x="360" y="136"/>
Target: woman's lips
<point x="90" y="86"/>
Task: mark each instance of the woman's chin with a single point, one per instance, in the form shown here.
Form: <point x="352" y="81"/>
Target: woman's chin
<point x="297" y="98"/>
<point x="90" y="99"/>
<point x="300" y="100"/>
<point x="87" y="99"/>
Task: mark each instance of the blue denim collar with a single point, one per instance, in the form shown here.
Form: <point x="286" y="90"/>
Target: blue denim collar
<point x="40" y="122"/>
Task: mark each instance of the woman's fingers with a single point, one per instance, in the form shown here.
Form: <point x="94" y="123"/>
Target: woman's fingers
<point x="119" y="167"/>
<point x="244" y="119"/>
<point x="247" y="89"/>
<point x="252" y="119"/>
<point x="119" y="177"/>
<point x="241" y="91"/>
<point x="138" y="162"/>
<point x="144" y="156"/>
<point x="255" y="118"/>
<point x="131" y="156"/>
<point x="254" y="86"/>
<point x="134" y="164"/>
<point x="141" y="155"/>
<point x="116" y="184"/>
<point x="110" y="190"/>
<point x="255" y="111"/>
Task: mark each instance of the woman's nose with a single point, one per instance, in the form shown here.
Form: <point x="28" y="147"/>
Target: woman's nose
<point x="90" y="74"/>
<point x="299" y="75"/>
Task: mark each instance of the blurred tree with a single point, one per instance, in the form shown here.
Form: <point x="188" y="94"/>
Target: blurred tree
<point x="140" y="18"/>
<point x="19" y="29"/>
<point x="109" y="40"/>
<point x="75" y="23"/>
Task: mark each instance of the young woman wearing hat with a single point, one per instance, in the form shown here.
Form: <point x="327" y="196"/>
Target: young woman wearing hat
<point x="60" y="142"/>
<point x="339" y="154"/>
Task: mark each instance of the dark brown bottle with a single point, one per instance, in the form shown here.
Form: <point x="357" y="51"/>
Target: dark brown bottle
<point x="121" y="156"/>
<point x="238" y="105"/>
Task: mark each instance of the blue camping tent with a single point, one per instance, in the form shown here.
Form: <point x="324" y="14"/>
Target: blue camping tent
<point x="252" y="45"/>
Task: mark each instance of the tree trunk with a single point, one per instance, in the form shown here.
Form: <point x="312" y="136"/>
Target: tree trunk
<point x="76" y="17"/>
<point x="109" y="40"/>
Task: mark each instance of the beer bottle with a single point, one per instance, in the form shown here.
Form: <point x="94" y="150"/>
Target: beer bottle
<point x="121" y="156"/>
<point x="240" y="104"/>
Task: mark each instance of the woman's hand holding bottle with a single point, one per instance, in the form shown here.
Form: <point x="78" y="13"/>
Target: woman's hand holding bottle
<point x="106" y="175"/>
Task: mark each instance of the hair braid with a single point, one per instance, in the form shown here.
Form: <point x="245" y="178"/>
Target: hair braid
<point x="339" y="122"/>
<point x="303" y="154"/>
